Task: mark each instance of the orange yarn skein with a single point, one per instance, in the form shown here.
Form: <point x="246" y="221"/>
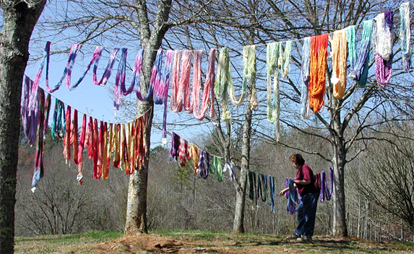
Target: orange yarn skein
<point x="339" y="56"/>
<point x="317" y="78"/>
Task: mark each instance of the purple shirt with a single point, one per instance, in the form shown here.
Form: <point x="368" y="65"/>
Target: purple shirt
<point x="305" y="173"/>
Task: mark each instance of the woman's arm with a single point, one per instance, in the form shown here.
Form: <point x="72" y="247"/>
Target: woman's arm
<point x="282" y="192"/>
<point x="302" y="182"/>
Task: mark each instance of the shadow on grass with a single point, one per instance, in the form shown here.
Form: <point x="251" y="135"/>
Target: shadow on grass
<point x="324" y="245"/>
<point x="99" y="235"/>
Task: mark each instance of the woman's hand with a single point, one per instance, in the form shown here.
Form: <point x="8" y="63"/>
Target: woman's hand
<point x="282" y="192"/>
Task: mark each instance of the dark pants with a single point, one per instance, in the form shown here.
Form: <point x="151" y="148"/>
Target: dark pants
<point x="306" y="214"/>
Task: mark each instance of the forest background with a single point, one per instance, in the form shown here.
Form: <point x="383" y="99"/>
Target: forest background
<point x="60" y="206"/>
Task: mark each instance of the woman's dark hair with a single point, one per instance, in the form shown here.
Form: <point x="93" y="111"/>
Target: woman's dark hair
<point x="297" y="159"/>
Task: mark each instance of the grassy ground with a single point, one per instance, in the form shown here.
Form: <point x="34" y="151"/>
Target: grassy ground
<point x="63" y="243"/>
<point x="199" y="242"/>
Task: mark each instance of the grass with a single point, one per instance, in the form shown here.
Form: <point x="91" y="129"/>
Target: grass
<point x="59" y="243"/>
<point x="196" y="241"/>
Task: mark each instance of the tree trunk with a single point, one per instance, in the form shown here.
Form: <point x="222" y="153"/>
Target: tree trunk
<point x="238" y="223"/>
<point x="240" y="185"/>
<point x="339" y="222"/>
<point x="136" y="215"/>
<point x="359" y="218"/>
<point x="19" y="21"/>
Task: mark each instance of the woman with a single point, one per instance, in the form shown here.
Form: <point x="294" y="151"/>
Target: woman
<point x="305" y="184"/>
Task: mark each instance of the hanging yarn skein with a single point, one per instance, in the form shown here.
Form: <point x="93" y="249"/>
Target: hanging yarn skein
<point x="304" y="99"/>
<point x="208" y="85"/>
<point x="120" y="79"/>
<point x="89" y="138"/>
<point x="276" y="60"/>
<point x="175" y="144"/>
<point x="360" y="71"/>
<point x="29" y="116"/>
<point x="249" y="73"/>
<point x="230" y="167"/>
<point x="34" y="85"/>
<point x="185" y="79"/>
<point x="176" y="85"/>
<point x="74" y="136"/>
<point x="383" y="48"/>
<point x="67" y="72"/>
<point x="339" y="56"/>
<point x="160" y="81"/>
<point x="204" y="163"/>
<point x="181" y="83"/>
<point x="105" y="161"/>
<point x="218" y="167"/>
<point x="58" y="121"/>
<point x="405" y="35"/>
<point x="136" y="79"/>
<point x="184" y="154"/>
<point x="161" y="93"/>
<point x="272" y="192"/>
<point x="252" y="185"/>
<point x="156" y="75"/>
<point x="47" y="113"/>
<point x="383" y="39"/>
<point x="110" y="147"/>
<point x="79" y="177"/>
<point x="283" y="61"/>
<point x="317" y="76"/>
<point x="38" y="166"/>
<point x="74" y="50"/>
<point x="108" y="69"/>
<point x="248" y="70"/>
<point x="136" y="71"/>
<point x="272" y="68"/>
<point x="68" y="133"/>
<point x="195" y="153"/>
<point x="352" y="52"/>
<point x="95" y="57"/>
<point x="221" y="84"/>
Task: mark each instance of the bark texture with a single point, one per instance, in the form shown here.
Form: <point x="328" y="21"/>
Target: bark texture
<point x="151" y="39"/>
<point x="20" y="18"/>
<point x="241" y="183"/>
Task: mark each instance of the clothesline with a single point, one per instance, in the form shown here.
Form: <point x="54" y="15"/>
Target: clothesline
<point x="184" y="151"/>
<point x="258" y="186"/>
<point x="125" y="140"/>
<point x="88" y="114"/>
<point x="125" y="143"/>
<point x="176" y="68"/>
<point x="161" y="75"/>
<point x="234" y="48"/>
<point x="162" y="72"/>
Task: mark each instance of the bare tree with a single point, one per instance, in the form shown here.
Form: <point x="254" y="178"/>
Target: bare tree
<point x="350" y="120"/>
<point x="348" y="123"/>
<point x="386" y="178"/>
<point x="61" y="205"/>
<point x="18" y="21"/>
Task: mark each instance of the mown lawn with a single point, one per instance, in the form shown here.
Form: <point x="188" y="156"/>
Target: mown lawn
<point x="199" y="242"/>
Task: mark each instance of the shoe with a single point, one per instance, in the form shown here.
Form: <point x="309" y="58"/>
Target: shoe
<point x="291" y="237"/>
<point x="304" y="238"/>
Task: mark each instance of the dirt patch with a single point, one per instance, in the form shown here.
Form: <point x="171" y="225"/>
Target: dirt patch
<point x="140" y="243"/>
<point x="241" y="244"/>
